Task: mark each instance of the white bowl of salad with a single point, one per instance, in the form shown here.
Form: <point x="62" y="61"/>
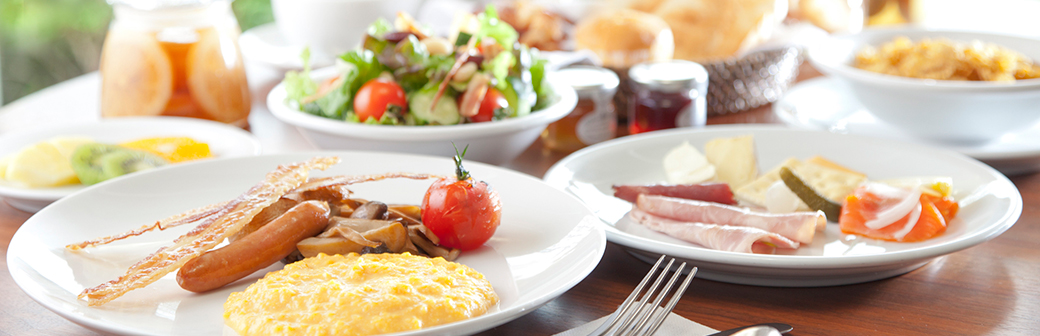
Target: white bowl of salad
<point x="407" y="91"/>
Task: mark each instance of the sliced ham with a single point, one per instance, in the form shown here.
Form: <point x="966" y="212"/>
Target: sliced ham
<point x="798" y="226"/>
<point x="709" y="192"/>
<point x="718" y="237"/>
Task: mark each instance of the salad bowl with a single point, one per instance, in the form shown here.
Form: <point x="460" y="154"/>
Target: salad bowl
<point x="407" y="90"/>
<point x="495" y="142"/>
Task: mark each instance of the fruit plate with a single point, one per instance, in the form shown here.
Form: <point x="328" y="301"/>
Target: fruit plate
<point x="547" y="241"/>
<point x="224" y="141"/>
<point x="990" y="203"/>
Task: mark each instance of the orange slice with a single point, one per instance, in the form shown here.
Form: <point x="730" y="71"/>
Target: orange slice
<point x="217" y="81"/>
<point x="173" y="149"/>
<point x="136" y="75"/>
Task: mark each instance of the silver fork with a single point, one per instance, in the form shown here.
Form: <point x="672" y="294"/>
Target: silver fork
<point x="630" y="321"/>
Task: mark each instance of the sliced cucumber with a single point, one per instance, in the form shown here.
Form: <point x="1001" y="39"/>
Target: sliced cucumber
<point x="420" y="104"/>
<point x="811" y="198"/>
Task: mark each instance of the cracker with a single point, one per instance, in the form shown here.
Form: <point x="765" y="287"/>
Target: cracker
<point x="831" y="183"/>
<point x="755" y="192"/>
<point x="834" y="184"/>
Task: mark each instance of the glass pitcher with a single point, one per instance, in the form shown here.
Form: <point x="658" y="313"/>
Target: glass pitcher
<point x="174" y="58"/>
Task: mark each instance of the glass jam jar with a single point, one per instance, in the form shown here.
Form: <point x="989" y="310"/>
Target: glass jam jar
<point x="593" y="119"/>
<point x="174" y="58"/>
<point x="667" y="95"/>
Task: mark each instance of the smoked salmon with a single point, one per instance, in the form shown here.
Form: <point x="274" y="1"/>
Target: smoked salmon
<point x="877" y="211"/>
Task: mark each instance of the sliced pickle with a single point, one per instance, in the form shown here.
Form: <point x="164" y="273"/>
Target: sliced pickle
<point x="809" y="196"/>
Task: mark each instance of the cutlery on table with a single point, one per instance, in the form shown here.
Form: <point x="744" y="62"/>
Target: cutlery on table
<point x="762" y="329"/>
<point x="644" y="319"/>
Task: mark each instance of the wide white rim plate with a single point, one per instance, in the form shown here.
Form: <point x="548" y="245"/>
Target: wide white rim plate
<point x="827" y="104"/>
<point x="547" y="242"/>
<point x="224" y="142"/>
<point x="990" y="203"/>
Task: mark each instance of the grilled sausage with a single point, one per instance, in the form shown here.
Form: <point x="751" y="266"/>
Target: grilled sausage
<point x="259" y="249"/>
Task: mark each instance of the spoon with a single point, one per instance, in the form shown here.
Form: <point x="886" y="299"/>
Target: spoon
<point x="758" y="331"/>
<point x="763" y="329"/>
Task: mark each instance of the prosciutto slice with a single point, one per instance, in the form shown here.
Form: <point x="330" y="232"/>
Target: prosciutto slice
<point x="797" y="226"/>
<point x="718" y="237"/>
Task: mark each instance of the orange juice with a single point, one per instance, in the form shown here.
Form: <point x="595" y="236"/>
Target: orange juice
<point x="175" y="62"/>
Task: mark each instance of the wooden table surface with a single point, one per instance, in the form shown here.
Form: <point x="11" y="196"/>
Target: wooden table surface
<point x="989" y="289"/>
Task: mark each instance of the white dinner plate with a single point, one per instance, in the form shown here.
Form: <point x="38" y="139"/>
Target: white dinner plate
<point x="826" y="104"/>
<point x="990" y="203"/>
<point x="547" y="242"/>
<point x="224" y="142"/>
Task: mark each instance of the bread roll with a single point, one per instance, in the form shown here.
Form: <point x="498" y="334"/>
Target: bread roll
<point x="831" y="15"/>
<point x="624" y="37"/>
<point x="707" y="30"/>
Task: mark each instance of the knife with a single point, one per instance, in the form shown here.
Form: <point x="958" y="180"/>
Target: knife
<point x="783" y="328"/>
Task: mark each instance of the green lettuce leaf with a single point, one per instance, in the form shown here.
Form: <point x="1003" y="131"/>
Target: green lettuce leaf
<point x="491" y="26"/>
<point x="499" y="68"/>
<point x="299" y="85"/>
<point x="379" y="28"/>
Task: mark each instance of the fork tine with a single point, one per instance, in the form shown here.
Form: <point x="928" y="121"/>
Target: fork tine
<point x="671" y="302"/>
<point x="642" y="308"/>
<point x="620" y="312"/>
<point x="636" y="322"/>
<point x="660" y="296"/>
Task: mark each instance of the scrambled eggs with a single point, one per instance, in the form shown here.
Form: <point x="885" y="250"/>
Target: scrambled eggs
<point x="359" y="295"/>
<point x="943" y="59"/>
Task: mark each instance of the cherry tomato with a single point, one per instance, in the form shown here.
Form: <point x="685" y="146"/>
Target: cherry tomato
<point x="461" y="212"/>
<point x="375" y="96"/>
<point x="493" y="100"/>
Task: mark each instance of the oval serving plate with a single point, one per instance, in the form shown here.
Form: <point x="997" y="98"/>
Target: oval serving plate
<point x="224" y="142"/>
<point x="990" y="203"/>
<point x="547" y="242"/>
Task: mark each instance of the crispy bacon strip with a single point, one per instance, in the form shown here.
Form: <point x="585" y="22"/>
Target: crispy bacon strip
<point x="191" y="216"/>
<point x="212" y="231"/>
<point x="325" y="182"/>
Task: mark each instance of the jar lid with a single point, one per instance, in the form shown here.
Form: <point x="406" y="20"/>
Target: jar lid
<point x="588" y="80"/>
<point x="672" y="75"/>
<point x="148" y="5"/>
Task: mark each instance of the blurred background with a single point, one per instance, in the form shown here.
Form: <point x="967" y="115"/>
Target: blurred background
<point x="43" y="42"/>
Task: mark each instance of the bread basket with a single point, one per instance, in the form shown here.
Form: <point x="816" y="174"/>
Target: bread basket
<point x="757" y="79"/>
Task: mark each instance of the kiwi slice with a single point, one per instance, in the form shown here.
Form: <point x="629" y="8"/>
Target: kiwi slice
<point x="97" y="162"/>
<point x="85" y="161"/>
<point x="126" y="161"/>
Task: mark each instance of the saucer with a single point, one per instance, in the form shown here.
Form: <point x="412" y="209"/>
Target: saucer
<point x="266" y="45"/>
<point x="826" y="104"/>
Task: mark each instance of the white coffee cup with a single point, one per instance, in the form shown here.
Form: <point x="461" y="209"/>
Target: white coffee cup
<point x="332" y="27"/>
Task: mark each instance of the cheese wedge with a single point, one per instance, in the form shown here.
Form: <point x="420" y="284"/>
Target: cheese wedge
<point x="734" y="160"/>
<point x="684" y="164"/>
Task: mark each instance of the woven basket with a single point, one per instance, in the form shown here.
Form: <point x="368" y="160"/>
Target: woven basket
<point x="751" y="81"/>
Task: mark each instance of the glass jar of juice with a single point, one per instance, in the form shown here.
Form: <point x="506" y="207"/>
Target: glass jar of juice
<point x="174" y="58"/>
<point x="592" y="119"/>
<point x="667" y="95"/>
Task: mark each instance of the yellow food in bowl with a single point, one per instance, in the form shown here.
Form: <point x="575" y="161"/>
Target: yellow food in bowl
<point x="942" y="59"/>
<point x="359" y="295"/>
